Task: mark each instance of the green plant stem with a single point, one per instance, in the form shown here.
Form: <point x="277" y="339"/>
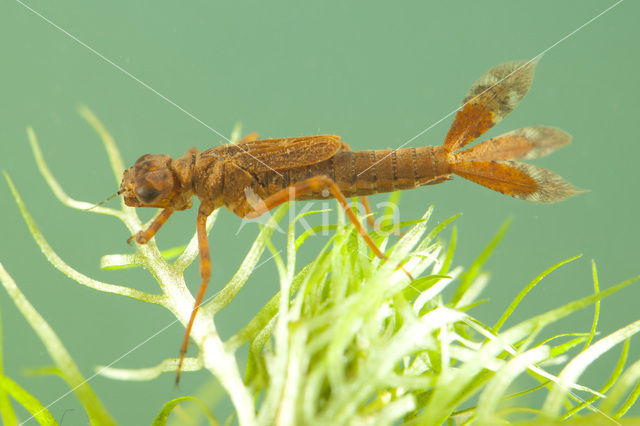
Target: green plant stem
<point x="95" y="410"/>
<point x="7" y="414"/>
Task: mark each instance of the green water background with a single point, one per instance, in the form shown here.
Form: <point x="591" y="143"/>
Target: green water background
<point x="375" y="73"/>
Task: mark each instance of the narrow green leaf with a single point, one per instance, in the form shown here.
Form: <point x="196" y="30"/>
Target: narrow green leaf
<point x="123" y="261"/>
<point x="613" y="378"/>
<point x="150" y="373"/>
<point x="439" y="227"/>
<point x="421" y="284"/>
<point x="7" y="414"/>
<point x="24" y="398"/>
<point x="236" y="133"/>
<point x="539" y="321"/>
<point x="95" y="410"/>
<point x="560" y="336"/>
<point x="112" y="262"/>
<point x="56" y="188"/>
<point x="512" y="307"/>
<point x="630" y="401"/>
<point x="383" y="231"/>
<point x="528" y="410"/>
<point x="256" y="372"/>
<point x="211" y="393"/>
<point x="563" y="348"/>
<point x="445" y="398"/>
<point x="167" y="408"/>
<point x="49" y="370"/>
<point x="173" y="252"/>
<point x="626" y="381"/>
<point x="115" y="159"/>
<point x="527" y="391"/>
<point x="469" y="276"/>
<point x="411" y="238"/>
<point x="60" y="265"/>
<point x="266" y="313"/>
<point x="596" y="313"/>
<point x="387" y="215"/>
<point x="239" y="279"/>
<point x="470" y="306"/>
<point x="474" y="290"/>
<point x="577" y="365"/>
<point x="451" y="248"/>
<point x="313" y="231"/>
<point x="494" y="391"/>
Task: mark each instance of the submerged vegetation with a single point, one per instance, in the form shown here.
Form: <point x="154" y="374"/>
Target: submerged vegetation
<point x="348" y="339"/>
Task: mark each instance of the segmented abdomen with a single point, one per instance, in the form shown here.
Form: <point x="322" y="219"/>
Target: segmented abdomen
<point x="367" y="172"/>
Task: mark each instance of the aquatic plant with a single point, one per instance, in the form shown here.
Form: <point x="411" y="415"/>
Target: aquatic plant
<point x="348" y="339"/>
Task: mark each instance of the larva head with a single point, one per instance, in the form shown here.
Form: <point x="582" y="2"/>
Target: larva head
<point x="150" y="182"/>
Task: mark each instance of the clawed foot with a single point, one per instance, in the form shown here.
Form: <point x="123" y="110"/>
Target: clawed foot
<point x="139" y="238"/>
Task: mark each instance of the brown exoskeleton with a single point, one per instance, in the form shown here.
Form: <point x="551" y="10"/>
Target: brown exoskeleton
<point x="317" y="167"/>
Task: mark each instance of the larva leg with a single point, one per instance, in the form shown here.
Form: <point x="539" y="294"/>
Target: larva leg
<point x="367" y="210"/>
<point x="205" y="273"/>
<point x="317" y="184"/>
<point x="142" y="237"/>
